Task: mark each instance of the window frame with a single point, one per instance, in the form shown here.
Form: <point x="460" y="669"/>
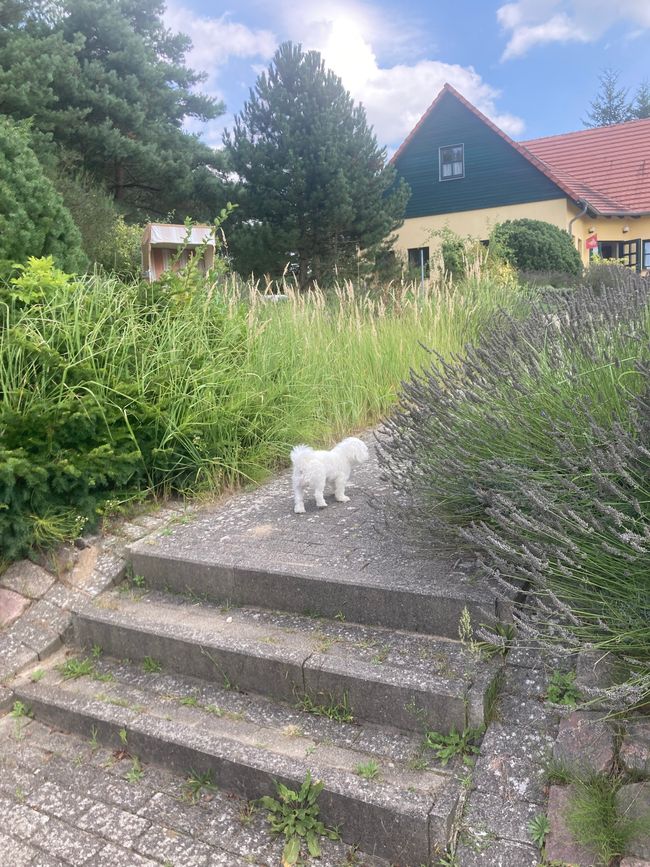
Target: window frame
<point x="446" y="148"/>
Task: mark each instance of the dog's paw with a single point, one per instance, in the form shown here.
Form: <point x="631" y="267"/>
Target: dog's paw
<point x="342" y="499"/>
<point x="322" y="505"/>
<point x="299" y="510"/>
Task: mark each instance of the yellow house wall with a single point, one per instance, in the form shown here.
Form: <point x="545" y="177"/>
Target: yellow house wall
<point x="606" y="229"/>
<point x="419" y="231"/>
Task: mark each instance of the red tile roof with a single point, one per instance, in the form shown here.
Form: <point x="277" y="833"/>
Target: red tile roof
<point x="609" y="166"/>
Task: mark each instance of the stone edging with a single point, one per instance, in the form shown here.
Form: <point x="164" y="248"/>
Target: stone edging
<point x="37" y="599"/>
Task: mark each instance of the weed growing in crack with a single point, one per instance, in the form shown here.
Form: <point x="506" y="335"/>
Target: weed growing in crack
<point x="562" y="689"/>
<point x="538" y="828"/>
<point x="150" y="665"/>
<point x="369" y="770"/>
<point x="331" y="707"/>
<point x="197" y="785"/>
<point x="295" y="815"/>
<point x="135" y="773"/>
<point x="447" y="747"/>
<point x="73" y="669"/>
<point x="20" y="710"/>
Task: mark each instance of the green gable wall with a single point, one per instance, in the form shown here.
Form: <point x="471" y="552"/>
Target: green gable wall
<point x="495" y="173"/>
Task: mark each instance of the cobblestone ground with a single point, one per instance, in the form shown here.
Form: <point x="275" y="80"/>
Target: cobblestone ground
<point x="65" y="802"/>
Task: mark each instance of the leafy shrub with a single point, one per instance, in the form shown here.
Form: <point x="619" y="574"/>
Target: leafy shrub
<point x="533" y="245"/>
<point x="33" y="218"/>
<point x="453" y="254"/>
<point x="533" y="451"/>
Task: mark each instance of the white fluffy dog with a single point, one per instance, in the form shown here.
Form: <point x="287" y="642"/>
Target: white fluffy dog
<point x="314" y="468"/>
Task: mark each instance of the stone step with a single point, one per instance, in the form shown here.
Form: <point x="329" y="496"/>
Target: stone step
<point x="253" y="550"/>
<point x="375" y="674"/>
<point x="431" y="605"/>
<point x="403" y="815"/>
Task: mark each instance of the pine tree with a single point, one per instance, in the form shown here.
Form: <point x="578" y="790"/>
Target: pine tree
<point x="611" y="105"/>
<point x="316" y="187"/>
<point x="641" y="105"/>
<point x="105" y="80"/>
<point x="33" y="218"/>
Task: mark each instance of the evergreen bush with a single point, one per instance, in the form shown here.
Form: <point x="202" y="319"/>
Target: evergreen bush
<point x="33" y="219"/>
<point x="534" y="245"/>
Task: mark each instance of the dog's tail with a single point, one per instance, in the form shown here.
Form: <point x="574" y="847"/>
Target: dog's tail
<point x="298" y="455"/>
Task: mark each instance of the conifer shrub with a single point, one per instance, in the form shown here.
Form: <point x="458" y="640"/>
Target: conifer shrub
<point x="532" y="450"/>
<point x="33" y="219"/>
<point x="534" y="245"/>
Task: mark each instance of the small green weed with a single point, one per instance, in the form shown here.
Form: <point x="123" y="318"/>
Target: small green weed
<point x="73" y="669"/>
<point x="446" y="747"/>
<point x="538" y="828"/>
<point x="96" y="651"/>
<point x="559" y="772"/>
<point x="36" y="675"/>
<point x="135" y="773"/>
<point x="247" y="812"/>
<point x="214" y="709"/>
<point x="20" y="710"/>
<point x="190" y="701"/>
<point x="151" y="665"/>
<point x="139" y="581"/>
<point x="196" y="784"/>
<point x="295" y="815"/>
<point x="339" y="711"/>
<point x="94" y="744"/>
<point x="124" y="738"/>
<point x="562" y="689"/>
<point x="369" y="771"/>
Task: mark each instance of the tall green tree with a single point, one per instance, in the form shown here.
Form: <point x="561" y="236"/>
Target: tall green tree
<point x="640" y="107"/>
<point x="611" y="104"/>
<point x="105" y="80"/>
<point x="33" y="218"/>
<point x="315" y="185"/>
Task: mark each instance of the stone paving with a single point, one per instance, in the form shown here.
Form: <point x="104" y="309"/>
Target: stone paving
<point x="64" y="801"/>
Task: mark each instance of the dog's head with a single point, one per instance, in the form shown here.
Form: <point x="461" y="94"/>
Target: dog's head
<point x="355" y="449"/>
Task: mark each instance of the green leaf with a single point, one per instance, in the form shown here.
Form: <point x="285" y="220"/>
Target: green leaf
<point x="291" y="852"/>
<point x="313" y="845"/>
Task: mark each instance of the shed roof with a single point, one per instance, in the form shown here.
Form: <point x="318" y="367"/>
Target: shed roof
<point x="168" y="234"/>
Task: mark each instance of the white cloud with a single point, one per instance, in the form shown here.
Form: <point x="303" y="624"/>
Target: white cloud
<point x="394" y="96"/>
<point x="531" y="23"/>
<point x="216" y="40"/>
<point x="350" y="35"/>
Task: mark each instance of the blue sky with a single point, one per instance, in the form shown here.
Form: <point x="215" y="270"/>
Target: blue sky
<point x="530" y="65"/>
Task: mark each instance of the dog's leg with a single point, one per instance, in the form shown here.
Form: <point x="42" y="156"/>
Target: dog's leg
<point x="319" y="481"/>
<point x="298" y="494"/>
<point x="339" y="489"/>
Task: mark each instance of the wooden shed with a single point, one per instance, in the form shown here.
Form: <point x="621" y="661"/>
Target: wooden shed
<point x="163" y="242"/>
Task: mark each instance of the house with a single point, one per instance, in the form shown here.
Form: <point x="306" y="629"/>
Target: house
<point x="468" y="175"/>
<point x="167" y="246"/>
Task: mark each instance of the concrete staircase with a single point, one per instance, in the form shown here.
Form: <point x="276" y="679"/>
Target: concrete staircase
<point x="259" y="645"/>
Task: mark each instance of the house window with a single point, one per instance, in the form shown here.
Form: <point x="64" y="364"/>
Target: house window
<point x="646" y="255"/>
<point x="452" y="162"/>
<point x="419" y="259"/>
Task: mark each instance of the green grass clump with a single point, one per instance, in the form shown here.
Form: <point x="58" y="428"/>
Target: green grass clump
<point x="112" y="391"/>
<point x="594" y="820"/>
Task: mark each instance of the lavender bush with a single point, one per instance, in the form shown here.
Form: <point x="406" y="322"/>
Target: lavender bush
<point x="533" y="449"/>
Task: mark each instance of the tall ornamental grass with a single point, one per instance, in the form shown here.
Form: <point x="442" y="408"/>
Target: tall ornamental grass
<point x="111" y="390"/>
<point x="533" y="450"/>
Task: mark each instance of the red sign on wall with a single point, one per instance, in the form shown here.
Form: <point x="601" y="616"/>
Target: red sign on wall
<point x="592" y="242"/>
